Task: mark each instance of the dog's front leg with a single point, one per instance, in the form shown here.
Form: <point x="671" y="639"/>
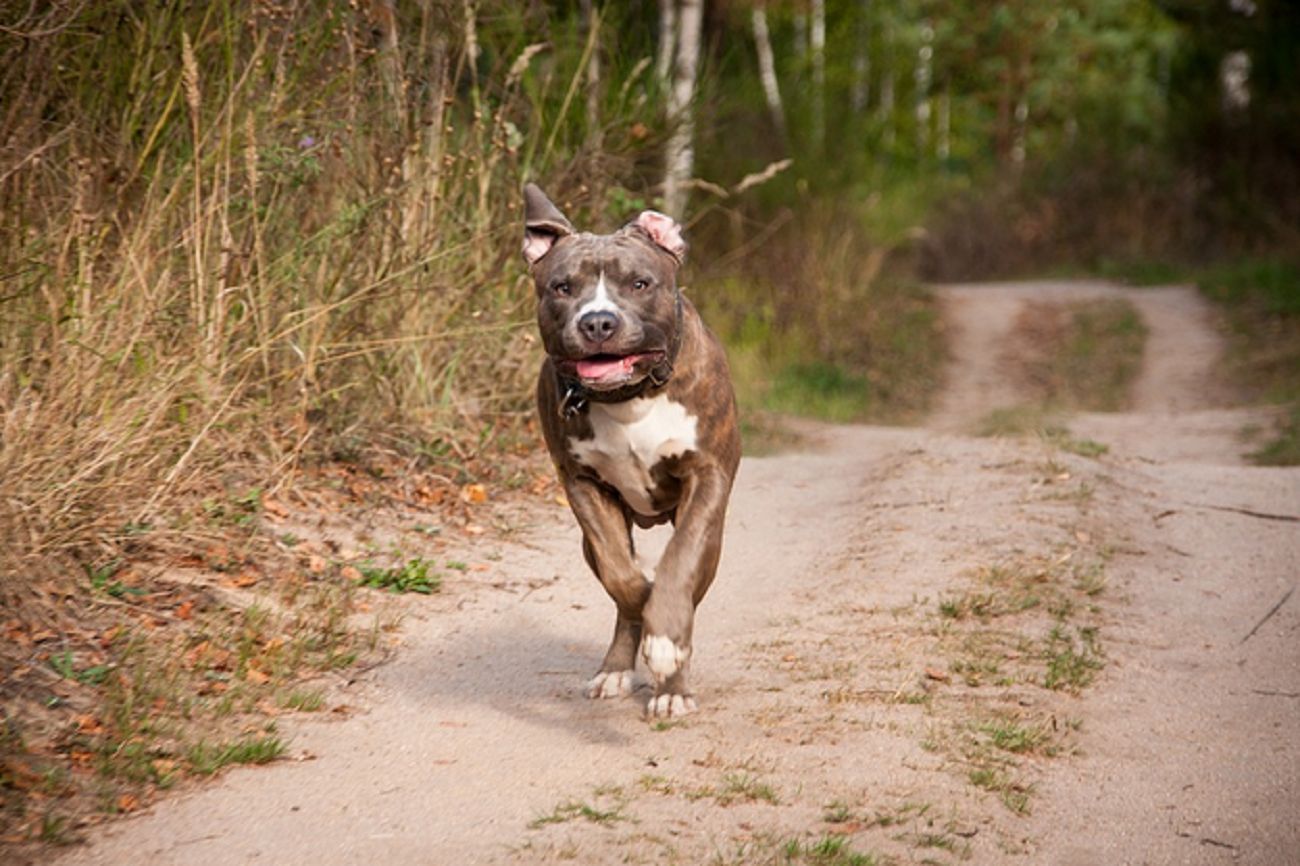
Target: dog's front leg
<point x="685" y="572"/>
<point x="607" y="545"/>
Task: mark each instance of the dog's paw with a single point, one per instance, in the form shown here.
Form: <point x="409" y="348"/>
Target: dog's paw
<point x="667" y="706"/>
<point x="610" y="684"/>
<point x="663" y="657"/>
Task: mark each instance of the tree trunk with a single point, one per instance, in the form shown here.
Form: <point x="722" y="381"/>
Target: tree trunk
<point x="818" y="44"/>
<point x="767" y="68"/>
<point x="924" y="56"/>
<point x="594" y="132"/>
<point x="680" y="157"/>
<point x="860" y="91"/>
<point x="667" y="40"/>
<point x="943" y="148"/>
<point x="886" y="107"/>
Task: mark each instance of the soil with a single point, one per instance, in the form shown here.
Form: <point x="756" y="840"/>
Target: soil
<point x="844" y="694"/>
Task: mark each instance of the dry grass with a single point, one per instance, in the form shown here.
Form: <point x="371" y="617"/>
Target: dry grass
<point x="1083" y="355"/>
<point x="238" y="241"/>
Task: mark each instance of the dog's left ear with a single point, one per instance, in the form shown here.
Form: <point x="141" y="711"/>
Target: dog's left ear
<point x="543" y="224"/>
<point x="664" y="231"/>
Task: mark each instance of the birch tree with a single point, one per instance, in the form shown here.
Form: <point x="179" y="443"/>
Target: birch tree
<point x="818" y="45"/>
<point x="667" y="41"/>
<point x="767" y="67"/>
<point x="860" y="90"/>
<point x="680" y="154"/>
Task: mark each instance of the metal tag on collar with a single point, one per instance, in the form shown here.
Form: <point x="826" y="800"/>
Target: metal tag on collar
<point x="572" y="403"/>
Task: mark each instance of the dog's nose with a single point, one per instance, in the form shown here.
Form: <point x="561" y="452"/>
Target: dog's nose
<point x="598" y="326"/>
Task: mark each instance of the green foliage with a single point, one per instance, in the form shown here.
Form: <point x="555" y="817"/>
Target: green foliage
<point x="821" y="390"/>
<point x="1261" y="298"/>
<point x="1284" y="448"/>
<point x="415" y="575"/>
<point x="1266" y="286"/>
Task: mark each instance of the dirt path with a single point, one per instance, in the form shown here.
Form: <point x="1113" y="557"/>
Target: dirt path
<point x="891" y="608"/>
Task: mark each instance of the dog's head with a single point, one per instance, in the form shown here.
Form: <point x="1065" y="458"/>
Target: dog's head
<point x="607" y="305"/>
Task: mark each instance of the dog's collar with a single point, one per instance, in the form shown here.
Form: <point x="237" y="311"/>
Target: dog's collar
<point x="575" y="397"/>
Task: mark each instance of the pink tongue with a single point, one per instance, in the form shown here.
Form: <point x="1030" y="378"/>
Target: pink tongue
<point x="603" y="368"/>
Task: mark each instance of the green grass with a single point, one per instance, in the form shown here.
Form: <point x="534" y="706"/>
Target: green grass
<point x="1071" y="664"/>
<point x="1013" y="795"/>
<point x="829" y="850"/>
<point x="1284" y="448"/>
<point x="1036" y="420"/>
<point x="304" y="700"/>
<point x="819" y="390"/>
<point x="1010" y="735"/>
<point x="415" y="575"/>
<point x="1143" y="272"/>
<point x="745" y="788"/>
<point x="1083" y="355"/>
<point x="1261" y="298"/>
<point x="206" y="759"/>
<point x="1268" y="286"/>
<point x="573" y="810"/>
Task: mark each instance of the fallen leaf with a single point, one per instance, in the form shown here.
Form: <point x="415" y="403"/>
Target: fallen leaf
<point x="936" y="674"/>
<point x="253" y="675"/>
<point x="274" y="508"/>
<point x="474" y="494"/>
<point x="128" y="803"/>
<point x="185" y="610"/>
<point x="1082" y="536"/>
<point x="243" y="579"/>
<point x="316" y="564"/>
<point x="350" y="573"/>
<point x="17" y="632"/>
<point x="88" y="724"/>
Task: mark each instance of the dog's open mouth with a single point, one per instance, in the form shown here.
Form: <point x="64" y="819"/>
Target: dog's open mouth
<point x="605" y="371"/>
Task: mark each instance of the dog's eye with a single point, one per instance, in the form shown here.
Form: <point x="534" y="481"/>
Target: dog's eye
<point x="641" y="284"/>
<point x="562" y="288"/>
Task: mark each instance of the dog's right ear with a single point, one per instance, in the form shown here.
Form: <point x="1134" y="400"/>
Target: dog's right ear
<point x="543" y="224"/>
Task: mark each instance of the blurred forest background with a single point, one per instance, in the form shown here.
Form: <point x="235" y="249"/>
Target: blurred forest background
<point x="257" y="234"/>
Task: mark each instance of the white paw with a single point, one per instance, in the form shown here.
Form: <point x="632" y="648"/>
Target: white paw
<point x="663" y="657"/>
<point x="670" y="706"/>
<point x="610" y="684"/>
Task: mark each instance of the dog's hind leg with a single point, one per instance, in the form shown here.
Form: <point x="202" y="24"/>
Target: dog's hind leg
<point x="614" y="679"/>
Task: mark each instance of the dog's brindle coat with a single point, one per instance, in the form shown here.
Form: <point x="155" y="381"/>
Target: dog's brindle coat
<point x="639" y="416"/>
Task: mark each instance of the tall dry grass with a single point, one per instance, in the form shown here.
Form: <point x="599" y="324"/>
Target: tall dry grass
<point x="235" y="234"/>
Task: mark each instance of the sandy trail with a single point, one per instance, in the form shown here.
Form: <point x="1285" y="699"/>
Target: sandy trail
<point x="830" y="689"/>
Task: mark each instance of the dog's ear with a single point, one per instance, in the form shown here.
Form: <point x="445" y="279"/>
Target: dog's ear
<point x="664" y="231"/>
<point x="543" y="224"/>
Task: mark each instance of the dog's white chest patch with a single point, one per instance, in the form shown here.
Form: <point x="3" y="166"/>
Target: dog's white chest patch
<point x="630" y="439"/>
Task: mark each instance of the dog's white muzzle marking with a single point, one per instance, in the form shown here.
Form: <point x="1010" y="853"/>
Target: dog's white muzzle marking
<point x="602" y="303"/>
